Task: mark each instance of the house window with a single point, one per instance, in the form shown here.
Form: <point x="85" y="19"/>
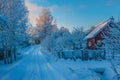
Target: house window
<point x="89" y="44"/>
<point x="99" y="43"/>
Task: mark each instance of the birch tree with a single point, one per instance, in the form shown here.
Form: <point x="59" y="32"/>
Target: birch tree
<point x="16" y="14"/>
<point x="45" y="25"/>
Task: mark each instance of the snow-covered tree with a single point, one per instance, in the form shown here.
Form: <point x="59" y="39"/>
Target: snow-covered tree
<point x="62" y="40"/>
<point x="112" y="48"/>
<point x="30" y="31"/>
<point x="112" y="40"/>
<point x="17" y="17"/>
<point x="16" y="14"/>
<point x="77" y="38"/>
<point x="2" y="5"/>
<point x="89" y="30"/>
<point x="118" y="22"/>
<point x="56" y="41"/>
<point x="45" y="25"/>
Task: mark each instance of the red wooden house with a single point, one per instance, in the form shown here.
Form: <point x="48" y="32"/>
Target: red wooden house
<point x="94" y="38"/>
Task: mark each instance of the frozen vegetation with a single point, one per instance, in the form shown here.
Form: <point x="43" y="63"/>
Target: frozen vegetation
<point x="46" y="52"/>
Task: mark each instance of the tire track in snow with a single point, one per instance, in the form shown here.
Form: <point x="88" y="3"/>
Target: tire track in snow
<point x="32" y="70"/>
<point x="34" y="66"/>
<point x="50" y="72"/>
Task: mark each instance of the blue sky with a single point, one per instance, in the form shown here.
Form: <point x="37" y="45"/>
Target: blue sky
<point x="73" y="13"/>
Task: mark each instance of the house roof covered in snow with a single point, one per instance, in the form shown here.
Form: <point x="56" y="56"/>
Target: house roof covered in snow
<point x="3" y="22"/>
<point x="98" y="28"/>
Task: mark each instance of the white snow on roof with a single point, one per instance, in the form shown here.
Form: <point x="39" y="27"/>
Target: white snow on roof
<point x="98" y="28"/>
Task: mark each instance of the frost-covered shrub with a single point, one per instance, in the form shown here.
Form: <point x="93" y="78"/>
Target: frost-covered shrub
<point x="63" y="40"/>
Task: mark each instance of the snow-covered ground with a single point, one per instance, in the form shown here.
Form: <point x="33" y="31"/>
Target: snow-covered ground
<point x="36" y="64"/>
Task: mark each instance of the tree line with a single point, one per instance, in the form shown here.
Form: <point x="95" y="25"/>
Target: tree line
<point x="15" y="36"/>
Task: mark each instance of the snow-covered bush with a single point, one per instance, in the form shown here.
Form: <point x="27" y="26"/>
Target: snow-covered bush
<point x="63" y="40"/>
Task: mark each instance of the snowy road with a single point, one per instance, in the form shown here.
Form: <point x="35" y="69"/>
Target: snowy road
<point x="34" y="66"/>
<point x="37" y="65"/>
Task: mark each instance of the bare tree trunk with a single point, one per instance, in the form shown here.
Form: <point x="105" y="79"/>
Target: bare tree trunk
<point x="4" y="56"/>
<point x="7" y="57"/>
<point x="15" y="54"/>
<point x="10" y="55"/>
